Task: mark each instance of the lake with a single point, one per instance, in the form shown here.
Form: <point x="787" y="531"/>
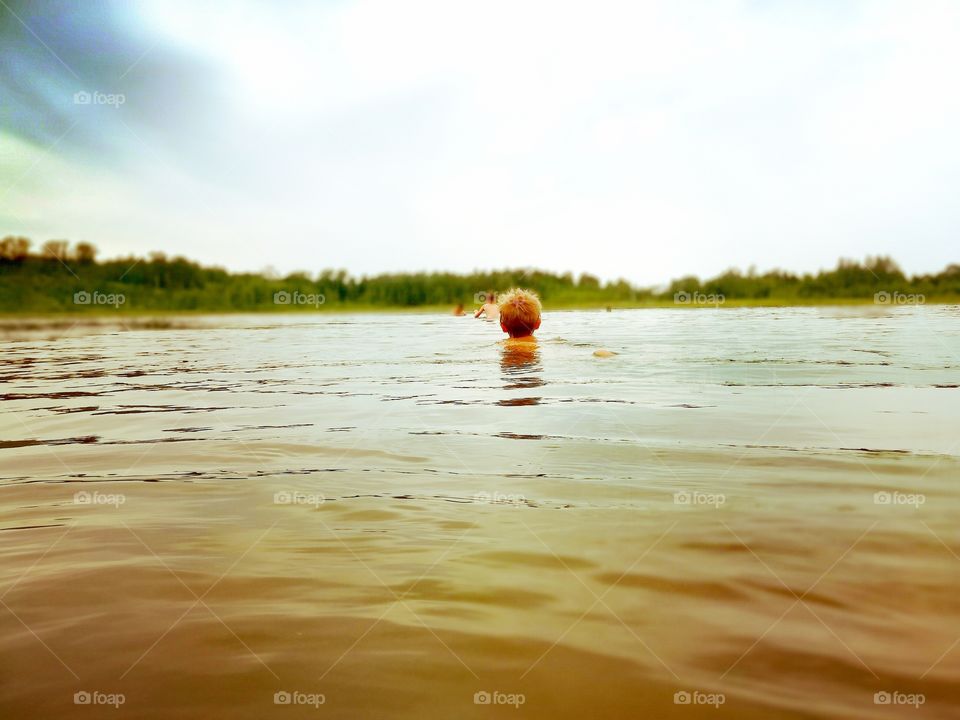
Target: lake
<point x="745" y="513"/>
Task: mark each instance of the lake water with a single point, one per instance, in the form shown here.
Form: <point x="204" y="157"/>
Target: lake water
<point x="744" y="514"/>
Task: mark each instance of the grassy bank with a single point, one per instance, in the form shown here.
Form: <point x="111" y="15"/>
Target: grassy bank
<point x="70" y="280"/>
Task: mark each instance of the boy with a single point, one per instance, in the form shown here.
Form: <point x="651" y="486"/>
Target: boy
<point x="489" y="309"/>
<point x="520" y="315"/>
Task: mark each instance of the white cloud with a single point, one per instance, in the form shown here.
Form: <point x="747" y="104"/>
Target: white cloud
<point x="643" y="139"/>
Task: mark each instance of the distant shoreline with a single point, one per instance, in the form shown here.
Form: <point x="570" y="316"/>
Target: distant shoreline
<point x="446" y="309"/>
<point x="68" y="280"/>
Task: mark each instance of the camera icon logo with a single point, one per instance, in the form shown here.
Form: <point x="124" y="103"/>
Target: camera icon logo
<point x="481" y="697"/>
<point x="81" y="298"/>
<point x="681" y="498"/>
<point x="881" y="298"/>
<point x="82" y="498"/>
<point x="281" y="297"/>
<point x="681" y="298"/>
<point x="681" y="697"/>
<point x="81" y="698"/>
<point x="82" y="98"/>
<point x="881" y="698"/>
<point x="882" y="498"/>
<point x="282" y="697"/>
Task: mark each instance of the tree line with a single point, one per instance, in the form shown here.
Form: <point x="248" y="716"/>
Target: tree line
<point x="60" y="277"/>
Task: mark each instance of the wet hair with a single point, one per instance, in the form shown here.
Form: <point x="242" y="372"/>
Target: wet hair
<point x="519" y="311"/>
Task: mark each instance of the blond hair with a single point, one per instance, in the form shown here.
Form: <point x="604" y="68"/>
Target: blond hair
<point x="519" y="311"/>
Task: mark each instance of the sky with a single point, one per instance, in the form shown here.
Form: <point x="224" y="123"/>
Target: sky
<point x="643" y="139"/>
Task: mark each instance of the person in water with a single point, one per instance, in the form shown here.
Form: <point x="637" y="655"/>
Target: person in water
<point x="520" y="315"/>
<point x="489" y="308"/>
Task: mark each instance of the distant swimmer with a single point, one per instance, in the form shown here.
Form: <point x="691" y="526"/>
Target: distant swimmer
<point x="458" y="310"/>
<point x="604" y="353"/>
<point x="489" y="309"/>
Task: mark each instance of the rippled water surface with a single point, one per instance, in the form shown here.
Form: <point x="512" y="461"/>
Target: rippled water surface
<point x="395" y="512"/>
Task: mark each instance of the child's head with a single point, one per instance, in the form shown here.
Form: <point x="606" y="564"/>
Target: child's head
<point x="519" y="312"/>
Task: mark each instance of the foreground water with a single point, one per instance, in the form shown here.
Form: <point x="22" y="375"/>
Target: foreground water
<point x="746" y="513"/>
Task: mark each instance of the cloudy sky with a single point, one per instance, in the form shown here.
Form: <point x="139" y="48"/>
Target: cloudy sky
<point x="644" y="139"/>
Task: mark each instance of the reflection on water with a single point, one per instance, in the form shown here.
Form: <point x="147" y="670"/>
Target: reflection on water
<point x="521" y="370"/>
<point x="753" y="505"/>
